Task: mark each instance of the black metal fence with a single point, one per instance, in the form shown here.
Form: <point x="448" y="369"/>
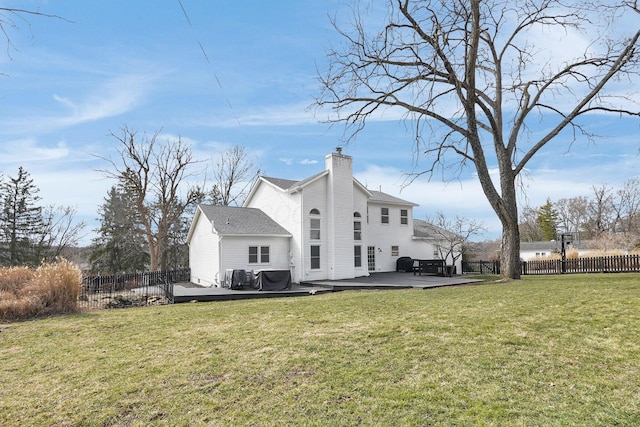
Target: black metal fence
<point x="481" y="267"/>
<point x="131" y="289"/>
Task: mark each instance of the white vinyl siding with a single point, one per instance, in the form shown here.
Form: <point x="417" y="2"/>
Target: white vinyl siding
<point x="204" y="254"/>
<point x="235" y="253"/>
<point x="384" y="236"/>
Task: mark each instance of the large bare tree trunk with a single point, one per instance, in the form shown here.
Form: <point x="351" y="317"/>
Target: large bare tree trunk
<point x="510" y="252"/>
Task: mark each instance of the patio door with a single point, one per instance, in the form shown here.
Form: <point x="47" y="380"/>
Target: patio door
<point x="371" y="258"/>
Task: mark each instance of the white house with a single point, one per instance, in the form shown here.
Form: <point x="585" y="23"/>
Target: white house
<point x="530" y="251"/>
<point x="328" y="226"/>
<point x="225" y="237"/>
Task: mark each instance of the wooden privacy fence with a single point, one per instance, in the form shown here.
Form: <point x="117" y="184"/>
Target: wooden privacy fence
<point x="604" y="264"/>
<point x="130" y="289"/>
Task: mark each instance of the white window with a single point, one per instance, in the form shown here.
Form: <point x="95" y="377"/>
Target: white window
<point x="314" y="228"/>
<point x="315" y="257"/>
<point x="395" y="251"/>
<point x="404" y="216"/>
<point x="357" y="256"/>
<point x="264" y="254"/>
<point x="384" y="215"/>
<point x="259" y="252"/>
<point x="314" y="225"/>
<point x="357" y="226"/>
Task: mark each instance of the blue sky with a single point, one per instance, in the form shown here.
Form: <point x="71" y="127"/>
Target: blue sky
<point x="67" y="84"/>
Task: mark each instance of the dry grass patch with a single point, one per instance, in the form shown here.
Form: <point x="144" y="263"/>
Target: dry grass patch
<point x="52" y="288"/>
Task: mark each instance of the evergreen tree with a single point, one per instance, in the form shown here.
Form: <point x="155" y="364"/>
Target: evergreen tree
<point x="120" y="245"/>
<point x="22" y="228"/>
<point x="548" y="221"/>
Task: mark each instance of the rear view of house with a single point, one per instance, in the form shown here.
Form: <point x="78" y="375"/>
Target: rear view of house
<point x="327" y="226"/>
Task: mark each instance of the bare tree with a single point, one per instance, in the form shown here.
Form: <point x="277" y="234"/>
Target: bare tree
<point x="233" y="174"/>
<point x="154" y="174"/>
<point x="529" y="227"/>
<point x="61" y="230"/>
<point x="451" y="235"/>
<point x="468" y="76"/>
<point x="573" y="214"/>
<point x="601" y="214"/>
<point x="627" y="208"/>
<point x="9" y="21"/>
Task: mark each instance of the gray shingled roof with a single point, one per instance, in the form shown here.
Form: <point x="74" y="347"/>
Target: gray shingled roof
<point x="285" y="184"/>
<point x="231" y="220"/>
<point x="426" y="230"/>
<point x="553" y="245"/>
<point x="380" y="197"/>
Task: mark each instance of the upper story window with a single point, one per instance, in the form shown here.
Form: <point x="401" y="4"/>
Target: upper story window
<point x="314" y="224"/>
<point x="404" y="216"/>
<point x="384" y="215"/>
<point x="357" y="226"/>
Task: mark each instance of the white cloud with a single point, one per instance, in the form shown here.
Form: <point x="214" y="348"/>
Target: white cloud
<point x="273" y="115"/>
<point x="309" y="162"/>
<point x="110" y="98"/>
<point x="25" y="150"/>
<point x="286" y="160"/>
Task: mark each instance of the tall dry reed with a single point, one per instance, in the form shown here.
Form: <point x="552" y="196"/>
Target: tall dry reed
<point x="53" y="288"/>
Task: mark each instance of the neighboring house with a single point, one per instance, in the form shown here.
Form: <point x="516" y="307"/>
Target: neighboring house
<point x="538" y="250"/>
<point x="328" y="226"/>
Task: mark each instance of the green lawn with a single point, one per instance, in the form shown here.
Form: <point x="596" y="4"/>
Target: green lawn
<point x="558" y="350"/>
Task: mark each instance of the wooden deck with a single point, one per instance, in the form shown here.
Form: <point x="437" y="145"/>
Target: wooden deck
<point x="393" y="280"/>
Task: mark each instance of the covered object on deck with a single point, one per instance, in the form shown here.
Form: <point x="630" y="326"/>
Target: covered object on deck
<point x="273" y="280"/>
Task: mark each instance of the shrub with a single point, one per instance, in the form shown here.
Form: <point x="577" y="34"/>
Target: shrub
<point x="15" y="278"/>
<point x="52" y="289"/>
